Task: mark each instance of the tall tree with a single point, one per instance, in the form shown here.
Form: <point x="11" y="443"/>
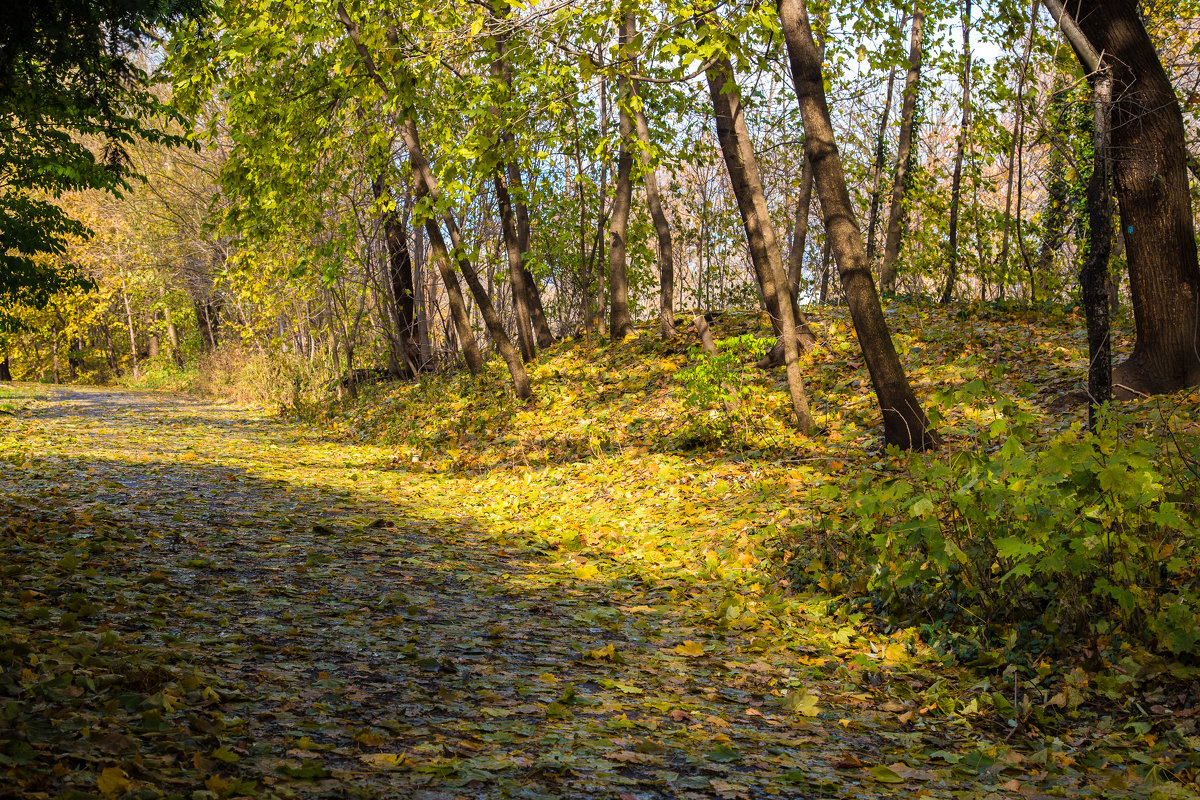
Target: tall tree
<point x="423" y="174"/>
<point x="1151" y="185"/>
<point x="742" y="165"/>
<point x="964" y="130"/>
<point x="662" y="228"/>
<point x="877" y="169"/>
<point x="510" y="192"/>
<point x="904" y="422"/>
<point x="407" y="354"/>
<point x="908" y="114"/>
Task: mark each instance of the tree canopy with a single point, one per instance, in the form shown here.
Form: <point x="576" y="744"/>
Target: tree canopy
<point x="73" y="98"/>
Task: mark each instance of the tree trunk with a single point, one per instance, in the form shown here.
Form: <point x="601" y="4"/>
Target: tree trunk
<point x="800" y="232"/>
<point x="956" y="181"/>
<point x="5" y="369"/>
<point x="742" y="165"/>
<point x="601" y="212"/>
<point x="516" y="271"/>
<point x="527" y="301"/>
<point x="422" y="296"/>
<point x="662" y="228"/>
<point x="826" y="254"/>
<point x="133" y="350"/>
<point x="1151" y="183"/>
<point x="400" y="285"/>
<point x="908" y="114"/>
<point x="877" y="172"/>
<point x="425" y="178"/>
<point x="1093" y="278"/>
<point x="172" y="332"/>
<point x="740" y="161"/>
<point x="620" y="323"/>
<point x="483" y="302"/>
<point x="110" y="351"/>
<point x="904" y="422"/>
<point x="454" y="295"/>
<point x="1018" y="137"/>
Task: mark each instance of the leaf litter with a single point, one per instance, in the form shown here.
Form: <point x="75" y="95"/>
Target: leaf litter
<point x="200" y="601"/>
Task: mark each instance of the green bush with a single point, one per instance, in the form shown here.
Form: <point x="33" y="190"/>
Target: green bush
<point x="1084" y="536"/>
<point x="715" y="396"/>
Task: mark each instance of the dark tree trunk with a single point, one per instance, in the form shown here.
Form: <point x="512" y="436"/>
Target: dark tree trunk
<point x="401" y="290"/>
<point x="110" y="352"/>
<point x="1093" y="278"/>
<point x="877" y="172"/>
<point x="1151" y="186"/>
<point x="425" y="178"/>
<point x="208" y="320"/>
<point x="908" y="115"/>
<point x="527" y="301"/>
<point x="5" y="370"/>
<point x="800" y="232"/>
<point x="172" y="332"/>
<point x="662" y="229"/>
<point x="458" y="307"/>
<point x="904" y="422"/>
<point x="1015" y="148"/>
<point x="961" y="146"/>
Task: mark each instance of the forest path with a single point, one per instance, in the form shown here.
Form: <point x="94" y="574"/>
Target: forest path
<point x="203" y="601"/>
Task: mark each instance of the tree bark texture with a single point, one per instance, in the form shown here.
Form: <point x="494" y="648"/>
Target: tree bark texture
<point x="454" y="295"/>
<point x="1093" y="278"/>
<point x="1151" y="185"/>
<point x="877" y="172"/>
<point x="908" y="114"/>
<point x="662" y="229"/>
<point x="742" y="165"/>
<point x="516" y="270"/>
<point x="400" y="280"/>
<point x="501" y="70"/>
<point x="904" y="422"/>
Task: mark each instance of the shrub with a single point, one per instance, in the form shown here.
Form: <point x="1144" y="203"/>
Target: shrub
<point x="1084" y="536"/>
<point x="715" y="396"/>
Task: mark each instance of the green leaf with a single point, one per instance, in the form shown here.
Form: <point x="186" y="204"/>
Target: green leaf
<point x="884" y="774"/>
<point x="724" y="754"/>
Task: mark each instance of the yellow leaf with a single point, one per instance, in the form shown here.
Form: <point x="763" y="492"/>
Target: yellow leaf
<point x="586" y="572"/>
<point x="384" y="760"/>
<point x="690" y="649"/>
<point x="216" y="784"/>
<point x="113" y="781"/>
<point x="608" y="652"/>
<point x="801" y="702"/>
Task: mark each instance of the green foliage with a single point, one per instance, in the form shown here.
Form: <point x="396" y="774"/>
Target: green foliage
<point x="72" y="99"/>
<point x="714" y="396"/>
<point x="1086" y="536"/>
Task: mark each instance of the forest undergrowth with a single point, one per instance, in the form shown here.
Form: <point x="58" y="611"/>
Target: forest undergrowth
<point x="643" y="584"/>
<point x="1062" y="568"/>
